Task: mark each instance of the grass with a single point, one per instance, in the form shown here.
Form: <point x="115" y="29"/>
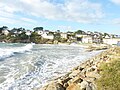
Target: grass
<point x="110" y="74"/>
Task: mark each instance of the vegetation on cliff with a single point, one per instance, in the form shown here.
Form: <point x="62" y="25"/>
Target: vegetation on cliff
<point x="110" y="74"/>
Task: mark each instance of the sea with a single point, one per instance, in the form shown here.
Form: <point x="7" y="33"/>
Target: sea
<point x="30" y="66"/>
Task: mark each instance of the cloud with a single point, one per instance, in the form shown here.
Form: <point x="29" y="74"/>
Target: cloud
<point x="116" y="21"/>
<point x="63" y="27"/>
<point x="82" y="11"/>
<point x="7" y="20"/>
<point x="116" y="1"/>
<point x="28" y="20"/>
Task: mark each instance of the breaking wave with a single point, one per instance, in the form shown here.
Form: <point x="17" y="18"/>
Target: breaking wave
<point x="7" y="52"/>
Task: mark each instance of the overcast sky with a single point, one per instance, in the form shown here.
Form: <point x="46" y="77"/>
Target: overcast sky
<point x="66" y="15"/>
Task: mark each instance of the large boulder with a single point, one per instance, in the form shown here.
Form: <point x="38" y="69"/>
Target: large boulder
<point x="76" y="79"/>
<point x="87" y="85"/>
<point x="93" y="74"/>
<point x="74" y="87"/>
<point x="74" y="73"/>
<point x="53" y="86"/>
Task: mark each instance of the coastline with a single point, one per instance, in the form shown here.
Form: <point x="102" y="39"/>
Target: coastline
<point x="82" y="76"/>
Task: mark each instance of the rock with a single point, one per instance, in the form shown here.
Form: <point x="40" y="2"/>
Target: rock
<point x="65" y="85"/>
<point x="74" y="87"/>
<point x="83" y="72"/>
<point x="74" y="73"/>
<point x="85" y="86"/>
<point x="66" y="80"/>
<point x="89" y="79"/>
<point x="53" y="86"/>
<point x="93" y="87"/>
<point x="76" y="79"/>
<point x="92" y="74"/>
<point x="80" y="68"/>
<point x="76" y="68"/>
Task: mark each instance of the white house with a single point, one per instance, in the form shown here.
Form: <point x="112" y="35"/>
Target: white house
<point x="107" y="36"/>
<point x="28" y="32"/>
<point x="111" y="41"/>
<point x="5" y="32"/>
<point x="39" y="32"/>
<point x="87" y="39"/>
<point x="63" y="35"/>
<point x="46" y="31"/>
<point x="79" y="35"/>
<point x="48" y="36"/>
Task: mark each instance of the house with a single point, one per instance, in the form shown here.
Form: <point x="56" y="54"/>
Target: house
<point x="63" y="35"/>
<point x="70" y="35"/>
<point x="107" y="36"/>
<point x="87" y="39"/>
<point x="118" y="43"/>
<point x="79" y="37"/>
<point x="97" y="38"/>
<point x="5" y="32"/>
<point x="89" y="33"/>
<point x="28" y="32"/>
<point x="46" y="31"/>
<point x="17" y="31"/>
<point x="111" y="41"/>
<point x="39" y="32"/>
<point x="48" y="36"/>
<point x="116" y="36"/>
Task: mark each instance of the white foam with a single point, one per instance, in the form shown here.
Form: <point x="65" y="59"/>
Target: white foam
<point x="4" y="53"/>
<point x="41" y="66"/>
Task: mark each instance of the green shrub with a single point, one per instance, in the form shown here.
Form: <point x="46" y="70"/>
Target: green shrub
<point x="110" y="75"/>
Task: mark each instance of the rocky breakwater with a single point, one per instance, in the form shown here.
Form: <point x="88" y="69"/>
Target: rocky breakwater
<point x="95" y="47"/>
<point x="82" y="77"/>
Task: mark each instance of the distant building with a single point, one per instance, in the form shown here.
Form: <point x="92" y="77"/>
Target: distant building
<point x="118" y="44"/>
<point x="111" y="41"/>
<point x="39" y="32"/>
<point x="63" y="35"/>
<point x="48" y="36"/>
<point x="5" y="32"/>
<point x="28" y="32"/>
<point x="46" y="31"/>
<point x="87" y="39"/>
<point x="17" y="31"/>
<point x="97" y="38"/>
<point x="79" y="37"/>
<point x="116" y="36"/>
<point x="107" y="36"/>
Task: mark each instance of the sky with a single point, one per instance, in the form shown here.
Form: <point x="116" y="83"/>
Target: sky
<point x="63" y="15"/>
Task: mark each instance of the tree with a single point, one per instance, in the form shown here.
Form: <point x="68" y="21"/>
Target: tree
<point x="37" y="28"/>
<point x="4" y="27"/>
<point x="80" y="32"/>
<point x="35" y="37"/>
<point x="57" y="36"/>
<point x="106" y="34"/>
<point x="22" y="36"/>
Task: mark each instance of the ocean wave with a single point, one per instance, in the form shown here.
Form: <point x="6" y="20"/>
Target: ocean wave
<point x="5" y="53"/>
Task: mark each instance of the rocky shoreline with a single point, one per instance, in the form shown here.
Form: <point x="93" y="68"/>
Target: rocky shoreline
<point x="82" y="77"/>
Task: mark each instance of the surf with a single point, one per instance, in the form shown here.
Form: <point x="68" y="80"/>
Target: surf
<point x="8" y="52"/>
